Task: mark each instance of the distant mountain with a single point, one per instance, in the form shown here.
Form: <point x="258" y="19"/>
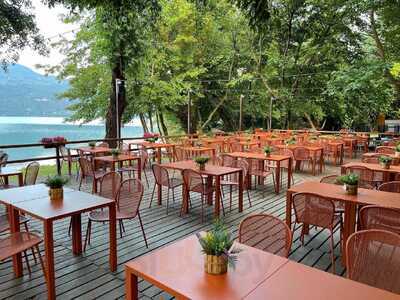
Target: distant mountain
<point x="24" y="92"/>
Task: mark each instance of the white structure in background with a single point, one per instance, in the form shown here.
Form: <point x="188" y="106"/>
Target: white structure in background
<point x="393" y="125"/>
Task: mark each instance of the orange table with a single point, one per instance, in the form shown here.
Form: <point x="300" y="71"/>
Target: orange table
<point x="6" y="172"/>
<point x="245" y="145"/>
<point x="300" y="282"/>
<point x="389" y="174"/>
<point x="375" y="154"/>
<point x="158" y="147"/>
<point x="210" y="171"/>
<point x="197" y="151"/>
<point x="179" y="270"/>
<point x="41" y="207"/>
<point x="112" y="160"/>
<point x="337" y="193"/>
<point x="95" y="150"/>
<point x="275" y="158"/>
<point x="338" y="151"/>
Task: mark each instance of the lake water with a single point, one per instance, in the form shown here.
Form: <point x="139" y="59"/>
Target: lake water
<point x="28" y="130"/>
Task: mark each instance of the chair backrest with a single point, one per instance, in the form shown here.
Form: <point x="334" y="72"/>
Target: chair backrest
<point x="144" y="157"/>
<point x="3" y="159"/>
<point x="129" y="197"/>
<point x="180" y="154"/>
<point x="241" y="164"/>
<point x="385" y="150"/>
<point x="125" y="148"/>
<point x="31" y="173"/>
<point x="161" y="175"/>
<point x="65" y="153"/>
<point x="372" y="258"/>
<point x="301" y="153"/>
<point x="364" y="174"/>
<point x="192" y="180"/>
<point x="392" y="186"/>
<point x="235" y="147"/>
<point x="267" y="233"/>
<point x="370" y="160"/>
<point x="86" y="167"/>
<point x="378" y="217"/>
<point x="227" y="160"/>
<point x="330" y="179"/>
<point x="313" y="209"/>
<point x="109" y="185"/>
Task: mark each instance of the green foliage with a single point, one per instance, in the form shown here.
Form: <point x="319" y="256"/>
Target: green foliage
<point x="92" y="144"/>
<point x="115" y="152"/>
<point x="201" y="160"/>
<point x="385" y="159"/>
<point x="56" y="181"/>
<point x="397" y="148"/>
<point x="218" y="241"/>
<point x="267" y="149"/>
<point x="350" y="179"/>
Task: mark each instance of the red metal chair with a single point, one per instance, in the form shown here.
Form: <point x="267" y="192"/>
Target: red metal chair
<point x="31" y="173"/>
<point x="267" y="233"/>
<point x="257" y="168"/>
<point x="69" y="159"/>
<point x="162" y="178"/>
<point x="392" y="186"/>
<point x="128" y="199"/>
<point x="366" y="176"/>
<point x="180" y="154"/>
<point x="302" y="155"/>
<point x="87" y="171"/>
<point x="233" y="180"/>
<point x="313" y="209"/>
<point x="195" y="182"/>
<point x="130" y="169"/>
<point x="378" y="217"/>
<point x="20" y="242"/>
<point x="385" y="150"/>
<point x="285" y="163"/>
<point x="372" y="257"/>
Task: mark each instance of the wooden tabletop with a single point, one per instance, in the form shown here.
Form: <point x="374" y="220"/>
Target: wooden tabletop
<point x="95" y="149"/>
<point x="374" y="167"/>
<point x="260" y="156"/>
<point x="26" y="193"/>
<point x="300" y="282"/>
<point x="337" y="192"/>
<point x="74" y="202"/>
<point x="113" y="159"/>
<point x="211" y="170"/>
<point x="179" y="269"/>
<point x="198" y="149"/>
<point x="157" y="145"/>
<point x="311" y="148"/>
<point x="376" y="154"/>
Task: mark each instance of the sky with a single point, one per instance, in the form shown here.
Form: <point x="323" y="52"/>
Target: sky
<point x="49" y="24"/>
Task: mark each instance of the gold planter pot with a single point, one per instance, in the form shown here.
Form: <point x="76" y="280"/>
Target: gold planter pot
<point x="202" y="167"/>
<point x="351" y="189"/>
<point x="56" y="194"/>
<point x="385" y="165"/>
<point x="215" y="265"/>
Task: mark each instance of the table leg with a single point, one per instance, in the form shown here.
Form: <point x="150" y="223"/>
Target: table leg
<point x="14" y="226"/>
<point x="185" y="197"/>
<point x="349" y="226"/>
<point x="342" y="170"/>
<point x="278" y="177"/>
<point x="131" y="286"/>
<point x="76" y="234"/>
<point x="209" y="196"/>
<point x="20" y="179"/>
<point x="49" y="261"/>
<point x="289" y="174"/>
<point x="6" y="181"/>
<point x="113" y="237"/>
<point x="139" y="169"/>
<point x="289" y="209"/>
<point x="260" y="167"/>
<point x="240" y="191"/>
<point x="159" y="155"/>
<point x="217" y="195"/>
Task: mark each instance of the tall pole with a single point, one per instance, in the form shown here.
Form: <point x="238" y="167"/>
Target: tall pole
<point x="270" y="113"/>
<point x="189" y="113"/>
<point x="241" y="112"/>
<point x="117" y="82"/>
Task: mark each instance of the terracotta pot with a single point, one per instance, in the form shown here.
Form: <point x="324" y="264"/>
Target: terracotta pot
<point x="267" y="154"/>
<point x="351" y="189"/>
<point x="56" y="194"/>
<point x="115" y="155"/>
<point x="202" y="167"/>
<point x="215" y="265"/>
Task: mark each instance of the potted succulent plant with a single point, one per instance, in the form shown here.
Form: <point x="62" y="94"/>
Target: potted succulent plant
<point x="267" y="150"/>
<point x="385" y="161"/>
<point x="397" y="150"/>
<point x="55" y="184"/>
<point x="217" y="245"/>
<point x="115" y="152"/>
<point x="350" y="182"/>
<point x="201" y="162"/>
<point x="92" y="144"/>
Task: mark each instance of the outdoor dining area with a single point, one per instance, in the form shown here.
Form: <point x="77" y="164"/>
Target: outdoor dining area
<point x="247" y="215"/>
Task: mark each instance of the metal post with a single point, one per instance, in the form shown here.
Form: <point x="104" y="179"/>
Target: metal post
<point x="189" y="113"/>
<point x="241" y="112"/>
<point x="270" y="113"/>
<point x="117" y="81"/>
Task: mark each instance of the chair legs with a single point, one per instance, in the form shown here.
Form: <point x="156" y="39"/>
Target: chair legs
<point x="152" y="194"/>
<point x="332" y="252"/>
<point x="88" y="233"/>
<point x="144" y="234"/>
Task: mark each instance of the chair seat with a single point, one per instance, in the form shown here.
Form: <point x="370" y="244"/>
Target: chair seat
<point x="17" y="242"/>
<point x="5" y="224"/>
<point x="99" y="174"/>
<point x="173" y="182"/>
<point x="102" y="216"/>
<point x="202" y="189"/>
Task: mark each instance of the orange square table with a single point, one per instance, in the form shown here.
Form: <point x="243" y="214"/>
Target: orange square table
<point x="34" y="201"/>
<point x="158" y="147"/>
<point x="6" y="172"/>
<point x="179" y="270"/>
<point x="388" y="174"/>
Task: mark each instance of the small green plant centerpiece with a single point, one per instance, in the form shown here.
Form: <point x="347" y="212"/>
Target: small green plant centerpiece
<point x="350" y="182"/>
<point x="397" y="150"/>
<point x="290" y="141"/>
<point x="115" y="152"/>
<point x="385" y="161"/>
<point x="201" y="162"/>
<point x="92" y="144"/>
<point x="217" y="245"/>
<point x="267" y="150"/>
<point x="55" y="184"/>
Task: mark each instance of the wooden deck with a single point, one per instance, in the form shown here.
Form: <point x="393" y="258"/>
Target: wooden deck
<point x="88" y="276"/>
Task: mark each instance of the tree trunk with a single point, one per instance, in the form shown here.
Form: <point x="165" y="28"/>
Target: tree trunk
<point x="111" y="117"/>
<point x="162" y="123"/>
<point x="143" y="121"/>
<point x="151" y="121"/>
